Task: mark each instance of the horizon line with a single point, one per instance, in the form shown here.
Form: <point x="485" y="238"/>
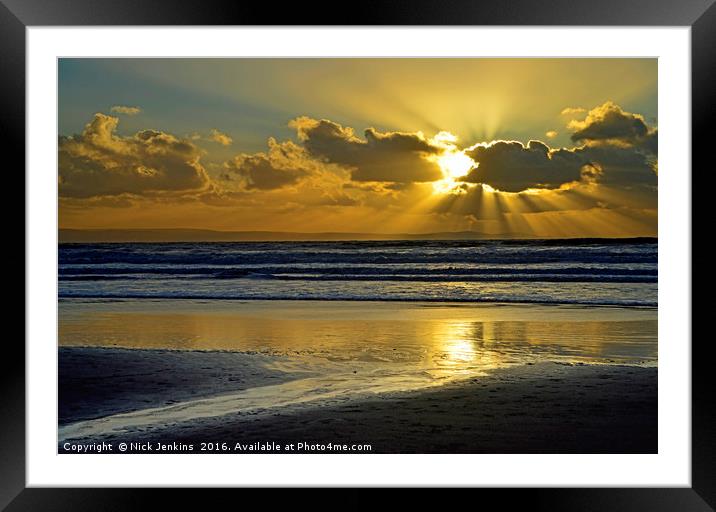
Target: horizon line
<point x="80" y="235"/>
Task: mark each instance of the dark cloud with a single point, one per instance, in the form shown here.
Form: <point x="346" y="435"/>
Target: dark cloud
<point x="582" y="178"/>
<point x="622" y="166"/>
<point x="609" y="123"/>
<point x="390" y="157"/>
<point x="99" y="162"/>
<point x="650" y="142"/>
<point x="282" y="165"/>
<point x="259" y="173"/>
<point x="511" y="166"/>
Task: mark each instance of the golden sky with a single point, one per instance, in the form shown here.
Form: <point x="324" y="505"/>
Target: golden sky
<point x="518" y="147"/>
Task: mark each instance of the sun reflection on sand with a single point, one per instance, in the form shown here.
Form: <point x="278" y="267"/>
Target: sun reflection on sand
<point x="462" y="350"/>
<point x="456" y="343"/>
<point x="409" y="345"/>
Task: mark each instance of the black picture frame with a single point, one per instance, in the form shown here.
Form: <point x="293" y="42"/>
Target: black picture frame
<point x="16" y="15"/>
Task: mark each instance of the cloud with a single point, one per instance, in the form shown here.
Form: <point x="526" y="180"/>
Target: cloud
<point x="128" y="111"/>
<point x="618" y="148"/>
<point x="510" y="166"/>
<point x="98" y="162"/>
<point x="258" y="172"/>
<point x="615" y="165"/>
<point x="119" y="201"/>
<point x="573" y="110"/>
<point x="390" y="156"/>
<point x="222" y="138"/>
<point x="284" y="164"/>
<point x="608" y="123"/>
<point x="551" y="134"/>
<point x="650" y="142"/>
<point x="329" y="168"/>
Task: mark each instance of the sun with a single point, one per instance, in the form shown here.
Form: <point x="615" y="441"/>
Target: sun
<point x="455" y="164"/>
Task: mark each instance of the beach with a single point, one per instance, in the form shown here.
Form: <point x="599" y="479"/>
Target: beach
<point x="409" y="378"/>
<point x="535" y="408"/>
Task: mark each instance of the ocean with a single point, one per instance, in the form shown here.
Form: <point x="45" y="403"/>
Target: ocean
<point x="588" y="271"/>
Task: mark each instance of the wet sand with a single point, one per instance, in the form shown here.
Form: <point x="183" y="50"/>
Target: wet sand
<point x="411" y="377"/>
<point x="546" y="407"/>
<point x="98" y="382"/>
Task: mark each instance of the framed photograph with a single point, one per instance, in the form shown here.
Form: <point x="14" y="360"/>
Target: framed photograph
<point x="427" y="246"/>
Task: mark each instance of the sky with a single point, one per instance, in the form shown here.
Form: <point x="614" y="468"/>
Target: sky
<point x="513" y="147"/>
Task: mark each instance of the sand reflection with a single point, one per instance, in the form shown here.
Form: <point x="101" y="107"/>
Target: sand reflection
<point x="368" y="338"/>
